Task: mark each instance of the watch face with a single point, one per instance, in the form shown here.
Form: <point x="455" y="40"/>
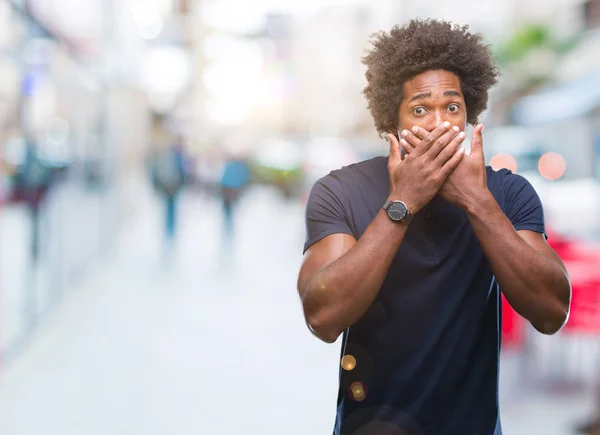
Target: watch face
<point x="397" y="211"/>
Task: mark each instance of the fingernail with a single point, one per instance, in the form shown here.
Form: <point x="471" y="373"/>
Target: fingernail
<point x="482" y="127"/>
<point x="415" y="129"/>
<point x="446" y="124"/>
<point x="461" y="134"/>
<point x="403" y="142"/>
<point x="404" y="133"/>
<point x="455" y="128"/>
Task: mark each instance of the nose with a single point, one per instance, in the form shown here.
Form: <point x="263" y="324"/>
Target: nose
<point x="440" y="116"/>
<point x="435" y="119"/>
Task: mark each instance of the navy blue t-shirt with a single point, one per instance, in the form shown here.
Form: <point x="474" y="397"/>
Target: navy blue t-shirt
<point x="427" y="350"/>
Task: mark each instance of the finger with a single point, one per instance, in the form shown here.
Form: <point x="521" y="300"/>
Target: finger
<point x="407" y="146"/>
<point x="442" y="142"/>
<point x="451" y="164"/>
<point x="447" y="153"/>
<point x="411" y="139"/>
<point x="395" y="154"/>
<point x="419" y="132"/>
<point x="477" y="141"/>
<point x="430" y="139"/>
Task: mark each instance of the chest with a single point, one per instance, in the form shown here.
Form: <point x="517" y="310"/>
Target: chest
<point x="438" y="230"/>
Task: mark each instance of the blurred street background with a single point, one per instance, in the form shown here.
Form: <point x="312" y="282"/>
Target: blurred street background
<point x="156" y="156"/>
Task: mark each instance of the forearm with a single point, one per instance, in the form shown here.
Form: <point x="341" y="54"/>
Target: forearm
<point x="535" y="286"/>
<point x="342" y="292"/>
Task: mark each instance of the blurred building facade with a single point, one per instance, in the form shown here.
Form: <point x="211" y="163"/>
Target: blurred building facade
<point x="317" y="77"/>
<point x="71" y="90"/>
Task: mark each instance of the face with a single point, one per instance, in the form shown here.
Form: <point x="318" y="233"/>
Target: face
<point x="432" y="98"/>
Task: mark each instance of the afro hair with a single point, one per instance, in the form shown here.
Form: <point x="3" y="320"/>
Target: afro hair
<point x="425" y="45"/>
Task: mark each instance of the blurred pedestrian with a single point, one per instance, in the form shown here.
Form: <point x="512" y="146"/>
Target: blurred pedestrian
<point x="405" y="256"/>
<point x="234" y="180"/>
<point x="32" y="181"/>
<point x="169" y="176"/>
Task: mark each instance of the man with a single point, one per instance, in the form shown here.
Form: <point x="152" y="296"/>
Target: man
<point x="235" y="178"/>
<point x="169" y="177"/>
<point x="405" y="257"/>
<point x="33" y="180"/>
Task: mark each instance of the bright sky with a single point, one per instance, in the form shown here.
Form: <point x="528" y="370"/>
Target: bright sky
<point x="244" y="15"/>
<point x="305" y="6"/>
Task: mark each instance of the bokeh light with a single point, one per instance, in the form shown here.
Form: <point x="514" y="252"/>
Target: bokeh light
<point x="503" y="161"/>
<point x="552" y="166"/>
<point x="348" y="362"/>
<point x="358" y="392"/>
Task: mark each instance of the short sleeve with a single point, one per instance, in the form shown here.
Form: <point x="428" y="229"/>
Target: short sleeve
<point x="325" y="213"/>
<point x="523" y="206"/>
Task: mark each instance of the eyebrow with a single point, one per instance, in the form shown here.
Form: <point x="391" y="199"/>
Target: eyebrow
<point x="424" y="95"/>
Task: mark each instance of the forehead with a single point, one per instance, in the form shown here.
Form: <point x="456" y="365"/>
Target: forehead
<point x="434" y="81"/>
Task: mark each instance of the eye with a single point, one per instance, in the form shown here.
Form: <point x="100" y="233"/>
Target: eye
<point x="419" y="111"/>
<point x="452" y="108"/>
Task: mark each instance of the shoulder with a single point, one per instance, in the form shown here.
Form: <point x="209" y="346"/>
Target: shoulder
<point x="517" y="198"/>
<point x="504" y="181"/>
<point x="359" y="173"/>
<point x="498" y="177"/>
<point x="346" y="176"/>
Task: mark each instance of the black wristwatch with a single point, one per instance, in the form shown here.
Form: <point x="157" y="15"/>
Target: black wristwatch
<point x="398" y="211"/>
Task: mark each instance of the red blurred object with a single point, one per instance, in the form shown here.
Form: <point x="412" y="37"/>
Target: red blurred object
<point x="582" y="260"/>
<point x="512" y="327"/>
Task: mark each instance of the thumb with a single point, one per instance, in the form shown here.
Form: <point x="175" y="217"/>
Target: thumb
<point x="395" y="155"/>
<point x="477" y="141"/>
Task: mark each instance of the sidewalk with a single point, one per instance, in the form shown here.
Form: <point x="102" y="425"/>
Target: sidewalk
<point x="215" y="344"/>
<point x="72" y="222"/>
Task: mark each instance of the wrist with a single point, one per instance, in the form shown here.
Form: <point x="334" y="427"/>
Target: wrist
<point x="398" y="211"/>
<point x="412" y="206"/>
<point x="475" y="204"/>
